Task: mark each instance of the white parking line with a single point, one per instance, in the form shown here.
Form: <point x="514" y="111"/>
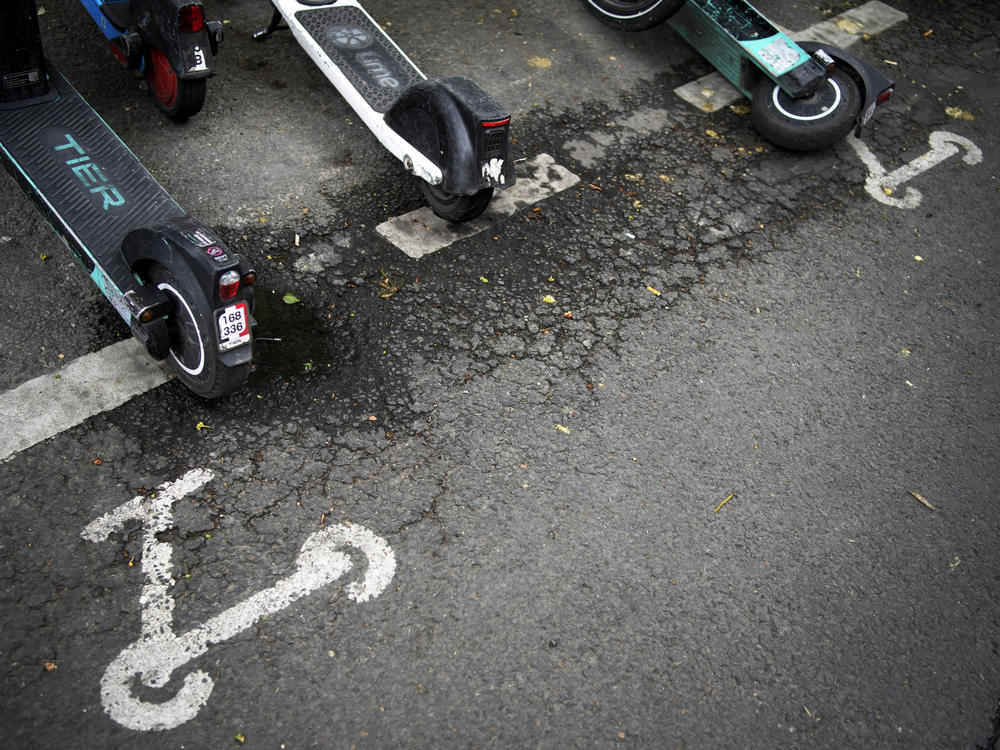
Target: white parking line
<point x="712" y="92"/>
<point x="420" y="232"/>
<point x="49" y="404"/>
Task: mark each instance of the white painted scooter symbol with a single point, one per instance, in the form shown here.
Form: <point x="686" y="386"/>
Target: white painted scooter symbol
<point x="159" y="651"/>
<point x="880" y="184"/>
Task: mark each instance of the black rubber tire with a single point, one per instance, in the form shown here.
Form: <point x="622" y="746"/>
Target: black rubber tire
<point x="633" y="15"/>
<point x="809" y="123"/>
<point x="177" y="98"/>
<point x="453" y="207"/>
<point x="193" y="354"/>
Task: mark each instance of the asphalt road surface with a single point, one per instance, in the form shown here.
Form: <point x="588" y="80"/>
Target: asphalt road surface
<point x="697" y="451"/>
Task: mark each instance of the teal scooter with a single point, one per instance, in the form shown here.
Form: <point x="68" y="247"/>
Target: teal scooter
<point x="804" y="96"/>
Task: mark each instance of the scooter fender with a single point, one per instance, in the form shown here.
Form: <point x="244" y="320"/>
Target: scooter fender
<point x="459" y="127"/>
<point x="196" y="255"/>
<point x="872" y="81"/>
<point x="191" y="54"/>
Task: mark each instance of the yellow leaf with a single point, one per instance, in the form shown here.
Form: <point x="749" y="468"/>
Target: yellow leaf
<point x="549" y="299"/>
<point x="562" y="429"/>
<point x="958" y="113"/>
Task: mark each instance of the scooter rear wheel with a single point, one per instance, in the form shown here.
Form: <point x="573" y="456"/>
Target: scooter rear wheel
<point x="811" y="122"/>
<point x="633" y="15"/>
<point x="193" y="355"/>
<point x="177" y="98"/>
<point x="454" y="207"/>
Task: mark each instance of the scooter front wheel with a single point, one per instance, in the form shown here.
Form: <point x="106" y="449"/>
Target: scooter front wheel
<point x="454" y="207"/>
<point x="633" y="15"/>
<point x="193" y="353"/>
<point x="177" y="98"/>
<point x="811" y="122"/>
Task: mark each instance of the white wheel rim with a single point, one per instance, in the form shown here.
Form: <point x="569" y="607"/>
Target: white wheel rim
<point x="201" y="347"/>
<point x="825" y="113"/>
<point x="625" y="16"/>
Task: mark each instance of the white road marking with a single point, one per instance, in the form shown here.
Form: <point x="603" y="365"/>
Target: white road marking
<point x="881" y="185"/>
<point x="159" y="651"/>
<point x="42" y="408"/>
<point x="712" y="92"/>
<point x="421" y="232"/>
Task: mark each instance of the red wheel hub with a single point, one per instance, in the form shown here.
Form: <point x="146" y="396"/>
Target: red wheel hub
<point x="161" y="78"/>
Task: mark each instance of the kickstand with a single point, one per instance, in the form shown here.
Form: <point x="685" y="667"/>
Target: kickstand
<point x="274" y="25"/>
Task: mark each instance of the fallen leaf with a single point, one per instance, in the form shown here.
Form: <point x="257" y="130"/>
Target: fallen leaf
<point x="958" y="113"/>
<point x="549" y="299"/>
<point x="290" y="299"/>
<point x="539" y="62"/>
<point x="562" y="429"/>
<point x="202" y="426"/>
<point x="49" y="666"/>
<point x="849" y="26"/>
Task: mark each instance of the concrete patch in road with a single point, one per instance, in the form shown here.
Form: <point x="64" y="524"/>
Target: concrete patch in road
<point x="421" y="232"/>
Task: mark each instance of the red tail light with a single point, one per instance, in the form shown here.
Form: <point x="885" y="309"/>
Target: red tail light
<point x="496" y="123"/>
<point x="884" y="96"/>
<point x="229" y="284"/>
<point x="191" y="18"/>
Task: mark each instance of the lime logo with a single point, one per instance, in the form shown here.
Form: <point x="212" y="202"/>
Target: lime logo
<point x="349" y="37"/>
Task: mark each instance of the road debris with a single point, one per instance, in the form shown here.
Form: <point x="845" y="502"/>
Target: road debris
<point x="728" y="498"/>
<point x="922" y="501"/>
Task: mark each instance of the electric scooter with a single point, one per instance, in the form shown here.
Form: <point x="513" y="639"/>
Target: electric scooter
<point x="447" y="131"/>
<point x="804" y="96"/>
<point x="169" y="41"/>
<point x="184" y="294"/>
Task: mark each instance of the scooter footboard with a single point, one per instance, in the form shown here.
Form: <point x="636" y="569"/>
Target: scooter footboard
<point x="458" y="126"/>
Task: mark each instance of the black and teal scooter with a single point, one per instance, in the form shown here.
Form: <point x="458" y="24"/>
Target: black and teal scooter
<point x="186" y="296"/>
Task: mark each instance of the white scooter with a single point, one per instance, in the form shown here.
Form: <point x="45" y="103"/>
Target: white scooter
<point x="447" y="131"/>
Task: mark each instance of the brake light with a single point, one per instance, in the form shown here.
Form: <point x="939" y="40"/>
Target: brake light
<point x="883" y="97"/>
<point x="191" y="18"/>
<point x="229" y="284"/>
<point x="496" y="123"/>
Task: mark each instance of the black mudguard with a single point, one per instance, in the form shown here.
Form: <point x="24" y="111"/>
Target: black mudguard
<point x="191" y="55"/>
<point x="871" y="80"/>
<point x="459" y="127"/>
<point x="195" y="254"/>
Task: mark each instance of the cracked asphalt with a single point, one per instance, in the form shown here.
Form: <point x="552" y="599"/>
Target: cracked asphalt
<point x="543" y="420"/>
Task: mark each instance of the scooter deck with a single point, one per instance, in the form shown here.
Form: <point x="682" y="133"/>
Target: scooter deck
<point x="351" y="41"/>
<point x="84" y="179"/>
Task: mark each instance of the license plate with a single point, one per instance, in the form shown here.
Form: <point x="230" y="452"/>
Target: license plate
<point x="234" y="327"/>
